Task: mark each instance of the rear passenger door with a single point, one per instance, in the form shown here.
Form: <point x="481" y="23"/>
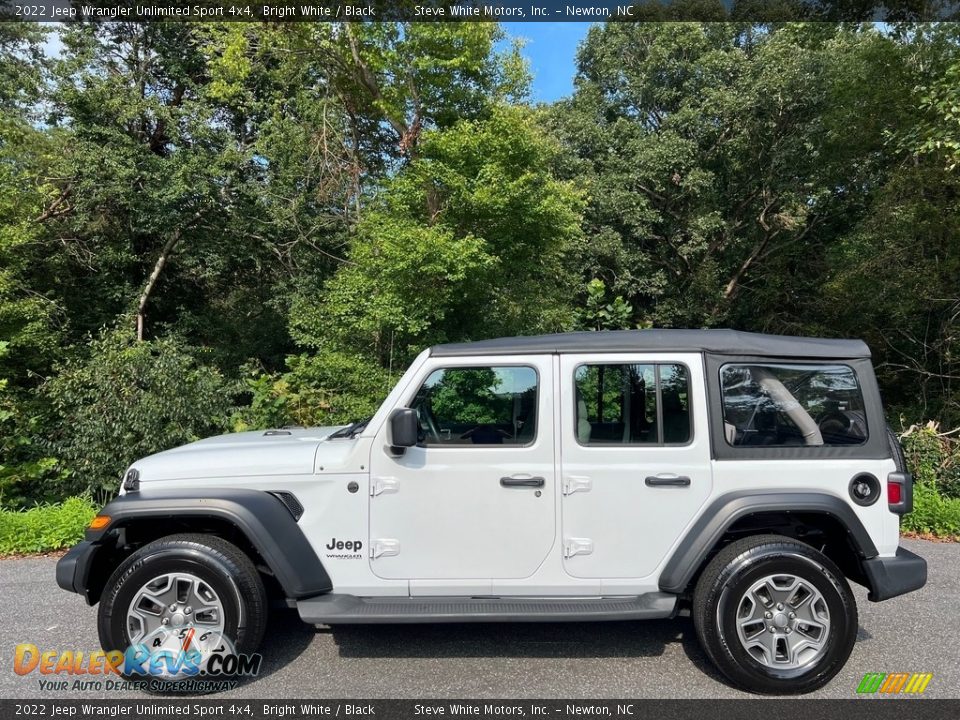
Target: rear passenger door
<point x="635" y="459"/>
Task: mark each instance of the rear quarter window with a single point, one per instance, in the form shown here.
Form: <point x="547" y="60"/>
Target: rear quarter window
<point x="767" y="404"/>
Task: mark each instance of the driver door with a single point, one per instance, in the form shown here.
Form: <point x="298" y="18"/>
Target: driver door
<point x="474" y="500"/>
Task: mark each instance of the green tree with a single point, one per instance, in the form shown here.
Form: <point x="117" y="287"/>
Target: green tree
<point x="422" y="255"/>
<point x="894" y="282"/>
<point x="411" y="77"/>
<point x="761" y="177"/>
<point x="322" y="388"/>
<point x="714" y="150"/>
<point x="320" y="202"/>
<point x="27" y="472"/>
<point x="152" y="182"/>
<point x="127" y="399"/>
<point x="487" y="260"/>
<point x="600" y="314"/>
<point x="29" y="318"/>
<point x="202" y="169"/>
<point x="936" y="132"/>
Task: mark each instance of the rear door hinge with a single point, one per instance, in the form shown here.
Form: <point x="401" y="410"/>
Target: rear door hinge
<point x="380" y="485"/>
<point x="384" y="547"/>
<point x="576" y="483"/>
<point x="577" y="546"/>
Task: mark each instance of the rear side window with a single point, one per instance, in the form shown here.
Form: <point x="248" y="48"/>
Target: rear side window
<point x="478" y="406"/>
<point x="789" y="405"/>
<point x="642" y="404"/>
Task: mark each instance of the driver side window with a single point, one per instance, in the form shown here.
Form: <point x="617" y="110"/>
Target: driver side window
<point x="478" y="406"/>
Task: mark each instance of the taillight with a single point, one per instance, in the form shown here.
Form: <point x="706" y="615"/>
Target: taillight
<point x="900" y="492"/>
<point x="894" y="493"/>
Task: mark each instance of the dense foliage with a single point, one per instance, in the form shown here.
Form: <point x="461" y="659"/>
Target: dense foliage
<point x="935" y="461"/>
<point x="45" y="527"/>
<point x="127" y="399"/>
<point x="215" y="227"/>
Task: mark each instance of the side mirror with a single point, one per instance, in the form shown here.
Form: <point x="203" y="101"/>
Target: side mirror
<point x="404" y="428"/>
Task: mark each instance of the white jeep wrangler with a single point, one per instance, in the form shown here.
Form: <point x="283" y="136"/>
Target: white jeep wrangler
<point x="582" y="476"/>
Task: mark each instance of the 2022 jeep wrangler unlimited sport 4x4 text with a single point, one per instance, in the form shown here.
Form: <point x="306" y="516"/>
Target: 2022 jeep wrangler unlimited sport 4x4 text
<point x="581" y="476"/>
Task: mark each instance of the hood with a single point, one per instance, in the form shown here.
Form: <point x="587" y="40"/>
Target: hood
<point x="289" y="451"/>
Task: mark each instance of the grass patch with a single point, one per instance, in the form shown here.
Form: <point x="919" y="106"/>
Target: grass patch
<point x="932" y="513"/>
<point x="45" y="527"/>
<point x="934" y="460"/>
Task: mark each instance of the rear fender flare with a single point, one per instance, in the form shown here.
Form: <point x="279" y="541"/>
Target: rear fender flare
<point x="722" y="513"/>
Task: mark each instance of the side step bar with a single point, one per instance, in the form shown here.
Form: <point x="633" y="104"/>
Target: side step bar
<point x="332" y="609"/>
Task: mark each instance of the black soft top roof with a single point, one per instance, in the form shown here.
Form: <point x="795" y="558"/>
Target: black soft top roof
<point x="719" y="342"/>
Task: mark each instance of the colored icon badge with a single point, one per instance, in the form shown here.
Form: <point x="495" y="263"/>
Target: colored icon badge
<point x="894" y="683"/>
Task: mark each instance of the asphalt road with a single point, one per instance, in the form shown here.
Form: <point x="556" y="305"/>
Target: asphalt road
<point x="656" y="659"/>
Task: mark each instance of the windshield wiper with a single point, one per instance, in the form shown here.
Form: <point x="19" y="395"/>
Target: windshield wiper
<point x="351" y="430"/>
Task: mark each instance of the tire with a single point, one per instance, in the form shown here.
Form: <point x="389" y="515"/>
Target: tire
<point x="796" y="656"/>
<point x="223" y="577"/>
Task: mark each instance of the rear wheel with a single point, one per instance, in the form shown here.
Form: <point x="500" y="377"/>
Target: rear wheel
<point x="775" y="615"/>
<point x="196" y="594"/>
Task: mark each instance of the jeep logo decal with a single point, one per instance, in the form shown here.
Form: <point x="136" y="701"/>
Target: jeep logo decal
<point x="348" y="545"/>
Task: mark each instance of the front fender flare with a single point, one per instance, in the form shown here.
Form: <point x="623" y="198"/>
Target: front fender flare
<point x="261" y="517"/>
<point x="723" y="512"/>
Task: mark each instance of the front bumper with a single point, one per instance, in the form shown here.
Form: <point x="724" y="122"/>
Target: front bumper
<point x="888" y="577"/>
<point x="73" y="569"/>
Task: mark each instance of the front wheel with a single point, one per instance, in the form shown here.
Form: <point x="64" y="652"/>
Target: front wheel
<point x="178" y="606"/>
<point x="775" y="615"/>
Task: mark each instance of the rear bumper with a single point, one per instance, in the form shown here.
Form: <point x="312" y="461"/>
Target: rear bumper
<point x="888" y="577"/>
<point x="73" y="569"/>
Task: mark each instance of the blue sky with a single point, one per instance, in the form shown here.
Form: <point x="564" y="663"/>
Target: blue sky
<point x="551" y="49"/>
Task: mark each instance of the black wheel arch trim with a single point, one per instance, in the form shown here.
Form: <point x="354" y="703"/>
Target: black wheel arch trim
<point x="727" y="509"/>
<point x="261" y="517"/>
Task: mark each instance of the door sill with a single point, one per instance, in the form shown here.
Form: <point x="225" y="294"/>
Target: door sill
<point x="336" y="608"/>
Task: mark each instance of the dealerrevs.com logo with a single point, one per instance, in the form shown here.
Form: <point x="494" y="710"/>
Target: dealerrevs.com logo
<point x="894" y="683"/>
<point x="190" y="660"/>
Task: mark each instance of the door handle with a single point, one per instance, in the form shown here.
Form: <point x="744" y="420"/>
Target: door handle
<point x="674" y="481"/>
<point x="522" y="482"/>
